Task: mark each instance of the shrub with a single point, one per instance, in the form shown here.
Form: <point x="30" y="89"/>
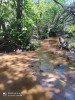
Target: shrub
<point x="54" y="32"/>
<point x="44" y="35"/>
<point x="33" y="45"/>
<point x="72" y="30"/>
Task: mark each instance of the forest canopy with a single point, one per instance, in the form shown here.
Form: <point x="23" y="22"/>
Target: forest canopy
<point x="21" y="19"/>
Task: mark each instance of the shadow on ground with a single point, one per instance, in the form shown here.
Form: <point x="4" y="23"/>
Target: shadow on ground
<point x="18" y="75"/>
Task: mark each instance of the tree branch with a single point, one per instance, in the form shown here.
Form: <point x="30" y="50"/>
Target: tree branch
<point x="68" y="9"/>
<point x="59" y="3"/>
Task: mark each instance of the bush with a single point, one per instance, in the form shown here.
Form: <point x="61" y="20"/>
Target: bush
<point x="44" y="35"/>
<point x="33" y="45"/>
<point x="54" y="32"/>
<point x="67" y="35"/>
<point x="72" y="30"/>
<point x="71" y="42"/>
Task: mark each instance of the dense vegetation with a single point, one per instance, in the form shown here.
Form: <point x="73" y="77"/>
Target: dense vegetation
<point x="20" y="20"/>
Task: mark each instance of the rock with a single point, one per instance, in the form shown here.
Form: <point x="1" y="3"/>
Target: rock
<point x="70" y="56"/>
<point x="18" y="51"/>
<point x="72" y="49"/>
<point x="63" y="43"/>
<point x="36" y="63"/>
<point x="41" y="71"/>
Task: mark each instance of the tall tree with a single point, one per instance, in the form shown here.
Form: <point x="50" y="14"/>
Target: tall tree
<point x="19" y="15"/>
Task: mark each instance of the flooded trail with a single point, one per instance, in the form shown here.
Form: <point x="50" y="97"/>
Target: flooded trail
<point x="40" y="75"/>
<point x="58" y="73"/>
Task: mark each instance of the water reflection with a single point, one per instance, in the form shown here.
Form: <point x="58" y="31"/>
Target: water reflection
<point x="45" y="66"/>
<point x="70" y="93"/>
<point x="58" y="80"/>
<point x="50" y="75"/>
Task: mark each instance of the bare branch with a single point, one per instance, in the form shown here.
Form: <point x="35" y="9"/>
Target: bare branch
<point x="69" y="9"/>
<point x="59" y="3"/>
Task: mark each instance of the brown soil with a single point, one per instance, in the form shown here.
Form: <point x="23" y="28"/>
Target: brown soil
<point x="17" y="74"/>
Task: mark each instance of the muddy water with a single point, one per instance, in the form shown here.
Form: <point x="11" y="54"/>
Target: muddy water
<point x="40" y="75"/>
<point x="57" y="74"/>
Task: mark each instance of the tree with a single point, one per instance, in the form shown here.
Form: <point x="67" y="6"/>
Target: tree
<point x="19" y="15"/>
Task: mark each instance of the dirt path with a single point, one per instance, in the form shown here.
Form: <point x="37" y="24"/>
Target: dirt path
<point x="22" y="73"/>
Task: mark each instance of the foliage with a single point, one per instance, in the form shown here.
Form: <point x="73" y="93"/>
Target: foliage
<point x="71" y="42"/>
<point x="1" y="31"/>
<point x="33" y="45"/>
<point x="18" y="19"/>
<point x="72" y="30"/>
<point x="44" y="35"/>
<point x="19" y="35"/>
<point x="56" y="30"/>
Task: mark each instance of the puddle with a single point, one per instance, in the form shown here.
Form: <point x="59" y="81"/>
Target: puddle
<point x="58" y="79"/>
<point x="70" y="93"/>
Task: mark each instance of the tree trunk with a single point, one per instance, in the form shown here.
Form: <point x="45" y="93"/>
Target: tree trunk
<point x="3" y="25"/>
<point x="19" y="15"/>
